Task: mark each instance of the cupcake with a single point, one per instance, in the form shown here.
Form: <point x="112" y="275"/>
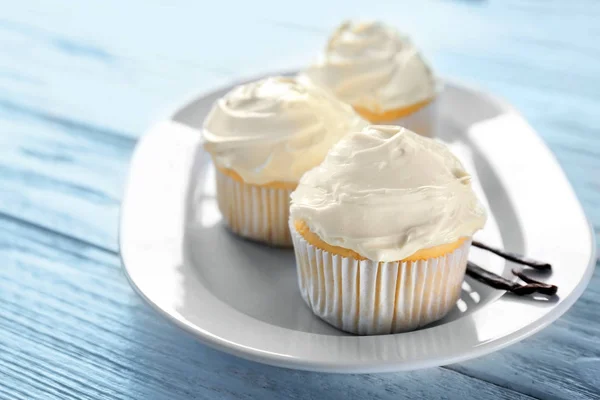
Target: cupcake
<point x="262" y="137"/>
<point x="380" y="73"/>
<point x="382" y="230"/>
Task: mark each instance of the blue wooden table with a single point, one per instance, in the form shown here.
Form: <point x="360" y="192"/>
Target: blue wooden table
<point x="80" y="81"/>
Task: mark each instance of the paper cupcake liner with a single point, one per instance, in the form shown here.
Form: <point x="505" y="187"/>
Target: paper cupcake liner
<point x="373" y="298"/>
<point x="255" y="212"/>
<point x="423" y="121"/>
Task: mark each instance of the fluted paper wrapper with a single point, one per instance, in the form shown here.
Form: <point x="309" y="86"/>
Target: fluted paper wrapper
<point x="423" y="121"/>
<point x="373" y="298"/>
<point x="253" y="211"/>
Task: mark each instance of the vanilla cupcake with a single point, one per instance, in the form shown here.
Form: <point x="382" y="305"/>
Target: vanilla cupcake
<point x="380" y="73"/>
<point x="262" y="137"/>
<point x="382" y="230"/>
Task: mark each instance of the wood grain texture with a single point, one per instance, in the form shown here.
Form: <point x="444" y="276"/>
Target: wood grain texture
<point x="174" y="48"/>
<point x="71" y="327"/>
<point x="62" y="175"/>
<point x="80" y="75"/>
<point x="79" y="81"/>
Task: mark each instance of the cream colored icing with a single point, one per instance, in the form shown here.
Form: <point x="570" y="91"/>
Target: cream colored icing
<point x="371" y="65"/>
<point x="275" y="129"/>
<point x="386" y="192"/>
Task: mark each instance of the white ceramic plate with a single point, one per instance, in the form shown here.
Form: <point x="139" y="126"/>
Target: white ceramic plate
<point x="242" y="298"/>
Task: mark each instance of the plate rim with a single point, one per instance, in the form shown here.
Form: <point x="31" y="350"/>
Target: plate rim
<point x="254" y="354"/>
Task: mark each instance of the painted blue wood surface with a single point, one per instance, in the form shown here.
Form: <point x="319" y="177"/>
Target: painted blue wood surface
<point x="79" y="81"/>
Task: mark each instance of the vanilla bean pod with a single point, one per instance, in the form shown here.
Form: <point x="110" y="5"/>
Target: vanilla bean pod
<point x="543" y="288"/>
<point x="517" y="258"/>
<point x="499" y="282"/>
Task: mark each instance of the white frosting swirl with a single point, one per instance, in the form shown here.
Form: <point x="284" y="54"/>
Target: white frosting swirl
<point x="370" y="65"/>
<point x="275" y="129"/>
<point x="387" y="193"/>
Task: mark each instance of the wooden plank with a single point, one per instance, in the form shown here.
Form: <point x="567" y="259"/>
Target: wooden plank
<point x="50" y="54"/>
<point x="546" y="69"/>
<point x="62" y="175"/>
<point x="72" y="328"/>
<point x="562" y="361"/>
<point x="63" y="164"/>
